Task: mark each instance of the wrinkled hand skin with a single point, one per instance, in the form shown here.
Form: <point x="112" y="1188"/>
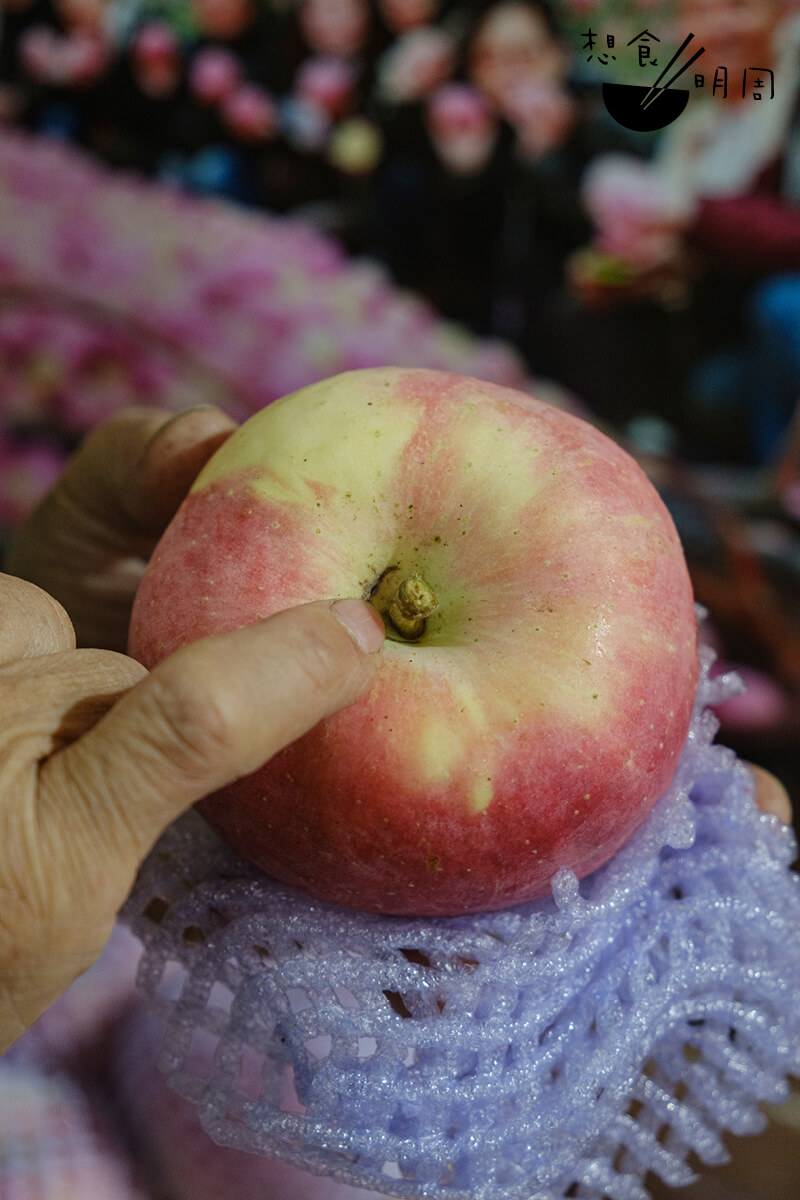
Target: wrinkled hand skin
<point x="97" y="756"/>
<point x="58" y="886"/>
<point x="86" y="544"/>
<point x="88" y="541"/>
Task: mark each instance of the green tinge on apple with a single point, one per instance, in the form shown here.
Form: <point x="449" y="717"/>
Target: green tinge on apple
<point x="526" y="721"/>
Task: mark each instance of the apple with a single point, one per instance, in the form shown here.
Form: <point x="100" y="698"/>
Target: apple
<point x="541" y="655"/>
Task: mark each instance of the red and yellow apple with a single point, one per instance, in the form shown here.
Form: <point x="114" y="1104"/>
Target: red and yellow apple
<point x="529" y="722"/>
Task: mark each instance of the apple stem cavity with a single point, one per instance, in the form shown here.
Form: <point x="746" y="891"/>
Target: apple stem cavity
<point x="405" y="604"/>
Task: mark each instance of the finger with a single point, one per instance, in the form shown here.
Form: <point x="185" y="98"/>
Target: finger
<point x="215" y="710"/>
<point x="48" y="701"/>
<point x="58" y="901"/>
<point x="122" y="487"/>
<point x="87" y="541"/>
<point x="169" y="463"/>
<point x="132" y="472"/>
<point x="771" y="795"/>
<point x="31" y="621"/>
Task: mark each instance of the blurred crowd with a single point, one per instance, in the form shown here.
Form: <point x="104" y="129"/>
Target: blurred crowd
<point x="465" y="145"/>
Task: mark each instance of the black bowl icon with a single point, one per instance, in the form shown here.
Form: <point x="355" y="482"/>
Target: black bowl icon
<point x="624" y="102"/>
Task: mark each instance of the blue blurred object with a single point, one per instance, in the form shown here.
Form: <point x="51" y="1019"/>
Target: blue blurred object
<point x="217" y="170"/>
<point x="59" y="120"/>
<point x="756" y="382"/>
<point x="774" y="314"/>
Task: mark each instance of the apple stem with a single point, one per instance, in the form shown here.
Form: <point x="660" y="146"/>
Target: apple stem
<point x="414" y="601"/>
<point x="404" y="606"/>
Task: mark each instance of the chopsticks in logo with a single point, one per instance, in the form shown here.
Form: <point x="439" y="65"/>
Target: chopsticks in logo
<point x="657" y="89"/>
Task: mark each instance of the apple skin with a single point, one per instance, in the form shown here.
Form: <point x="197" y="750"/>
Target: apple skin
<point x="541" y="714"/>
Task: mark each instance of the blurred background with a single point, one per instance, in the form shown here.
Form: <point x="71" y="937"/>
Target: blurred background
<point x="222" y="200"/>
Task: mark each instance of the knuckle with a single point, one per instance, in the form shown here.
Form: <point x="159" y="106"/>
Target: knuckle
<point x="105" y="669"/>
<point x="46" y="622"/>
<point x="25" y="713"/>
<point x="187" y="720"/>
<point x="122" y="431"/>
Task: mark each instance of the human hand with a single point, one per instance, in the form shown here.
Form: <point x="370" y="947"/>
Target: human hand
<point x="771" y="796"/>
<point x="97" y="757"/>
<point x="88" y="541"/>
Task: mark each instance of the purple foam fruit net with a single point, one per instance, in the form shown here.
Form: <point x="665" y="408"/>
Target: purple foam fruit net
<point x="566" y="1047"/>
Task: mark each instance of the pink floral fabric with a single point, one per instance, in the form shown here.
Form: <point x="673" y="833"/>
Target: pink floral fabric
<point x="114" y="291"/>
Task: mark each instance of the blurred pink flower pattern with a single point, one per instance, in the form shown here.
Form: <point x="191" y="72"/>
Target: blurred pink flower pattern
<point x="115" y="291"/>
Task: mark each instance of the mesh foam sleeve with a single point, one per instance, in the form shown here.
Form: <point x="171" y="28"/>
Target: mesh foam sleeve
<point x="565" y="1047"/>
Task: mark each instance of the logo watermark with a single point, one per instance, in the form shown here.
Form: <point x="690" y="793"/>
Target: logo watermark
<point x="656" y="103"/>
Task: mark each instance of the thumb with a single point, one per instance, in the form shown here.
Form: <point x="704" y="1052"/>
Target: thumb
<point x="213" y="711"/>
<point x="770" y="794"/>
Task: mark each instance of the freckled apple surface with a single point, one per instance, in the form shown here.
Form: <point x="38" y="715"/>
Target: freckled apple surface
<point x="538" y="716"/>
